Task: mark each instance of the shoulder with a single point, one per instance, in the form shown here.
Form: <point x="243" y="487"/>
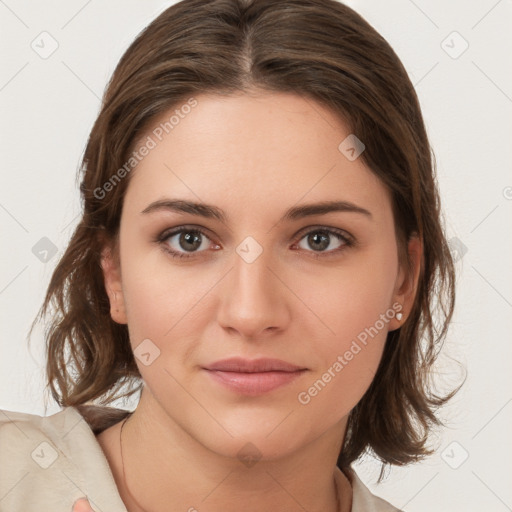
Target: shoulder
<point x="47" y="463"/>
<point x="363" y="500"/>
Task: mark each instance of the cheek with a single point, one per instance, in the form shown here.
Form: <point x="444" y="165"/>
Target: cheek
<point x="164" y="320"/>
<point x="362" y="290"/>
<point x="333" y="393"/>
<point x="159" y="294"/>
<point x="345" y="363"/>
<point x="168" y="305"/>
<point x="355" y="308"/>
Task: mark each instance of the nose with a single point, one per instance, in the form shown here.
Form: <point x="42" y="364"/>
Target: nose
<point x="255" y="299"/>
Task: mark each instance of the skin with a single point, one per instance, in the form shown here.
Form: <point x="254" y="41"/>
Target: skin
<point x="254" y="156"/>
<point x="82" y="505"/>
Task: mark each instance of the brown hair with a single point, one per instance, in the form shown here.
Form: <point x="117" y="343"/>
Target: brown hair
<point x="323" y="51"/>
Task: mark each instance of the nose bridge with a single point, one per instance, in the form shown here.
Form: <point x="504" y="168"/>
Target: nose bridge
<point x="253" y="300"/>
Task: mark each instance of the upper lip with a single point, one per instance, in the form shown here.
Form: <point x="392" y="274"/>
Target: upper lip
<point x="238" y="364"/>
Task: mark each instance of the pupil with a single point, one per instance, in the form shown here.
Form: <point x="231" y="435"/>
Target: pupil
<point x="315" y="238"/>
<point x="190" y="238"/>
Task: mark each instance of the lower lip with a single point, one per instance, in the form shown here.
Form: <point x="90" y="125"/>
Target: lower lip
<point x="254" y="383"/>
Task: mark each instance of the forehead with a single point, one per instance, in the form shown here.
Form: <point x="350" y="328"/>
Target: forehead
<point x="267" y="149"/>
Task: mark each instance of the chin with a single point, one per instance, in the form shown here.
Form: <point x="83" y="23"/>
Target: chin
<point x="249" y="449"/>
<point x="259" y="436"/>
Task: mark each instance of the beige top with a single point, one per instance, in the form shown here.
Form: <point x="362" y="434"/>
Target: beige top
<point x="47" y="463"/>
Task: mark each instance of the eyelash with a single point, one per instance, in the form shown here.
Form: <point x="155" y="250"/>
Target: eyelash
<point x="349" y="241"/>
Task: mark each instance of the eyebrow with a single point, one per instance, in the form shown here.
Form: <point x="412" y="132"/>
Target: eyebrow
<point x="294" y="213"/>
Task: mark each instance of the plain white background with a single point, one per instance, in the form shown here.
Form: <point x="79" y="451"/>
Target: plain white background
<point x="48" y="108"/>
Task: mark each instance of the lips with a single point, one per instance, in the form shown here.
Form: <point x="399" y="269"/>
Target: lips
<point x="238" y="364"/>
<point x="253" y="377"/>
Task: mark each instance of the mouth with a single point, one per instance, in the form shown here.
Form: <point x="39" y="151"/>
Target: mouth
<point x="253" y="377"/>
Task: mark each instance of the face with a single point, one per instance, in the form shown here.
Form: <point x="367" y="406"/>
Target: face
<point x="318" y="290"/>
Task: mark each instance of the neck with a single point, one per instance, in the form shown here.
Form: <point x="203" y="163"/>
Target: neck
<point x="166" y="469"/>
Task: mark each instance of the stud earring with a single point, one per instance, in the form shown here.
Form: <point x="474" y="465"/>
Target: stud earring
<point x="399" y="316"/>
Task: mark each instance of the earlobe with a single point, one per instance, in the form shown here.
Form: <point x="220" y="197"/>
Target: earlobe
<point x="113" y="284"/>
<point x="407" y="282"/>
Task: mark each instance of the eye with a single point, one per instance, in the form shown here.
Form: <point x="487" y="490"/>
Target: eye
<point x="320" y="239"/>
<point x="184" y="240"/>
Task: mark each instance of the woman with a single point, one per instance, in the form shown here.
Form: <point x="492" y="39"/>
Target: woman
<point x="261" y="251"/>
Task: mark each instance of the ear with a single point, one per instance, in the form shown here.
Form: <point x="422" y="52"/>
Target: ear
<point x="110" y="264"/>
<point x="407" y="281"/>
